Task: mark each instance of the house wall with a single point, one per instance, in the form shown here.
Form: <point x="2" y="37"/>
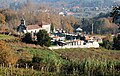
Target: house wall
<point x="33" y="30"/>
<point x="47" y="27"/>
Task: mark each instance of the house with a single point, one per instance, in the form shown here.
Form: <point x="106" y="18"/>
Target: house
<point x="61" y="13"/>
<point x="78" y="30"/>
<point x="33" y="28"/>
<point x="58" y="38"/>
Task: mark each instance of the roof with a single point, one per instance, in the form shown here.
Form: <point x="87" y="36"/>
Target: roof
<point x="43" y="23"/>
<point x="36" y="26"/>
<point x="56" y="37"/>
<point x="78" y="29"/>
<point x="29" y="27"/>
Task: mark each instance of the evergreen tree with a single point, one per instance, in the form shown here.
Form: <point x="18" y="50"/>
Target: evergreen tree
<point x="116" y="19"/>
<point x="52" y="28"/>
<point x="116" y="15"/>
<point x="43" y="38"/>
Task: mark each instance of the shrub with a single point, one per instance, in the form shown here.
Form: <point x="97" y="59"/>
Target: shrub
<point x="43" y="38"/>
<point x="116" y="42"/>
<point x="7" y="56"/>
<point x="36" y="59"/>
<point x="107" y="44"/>
<point x="27" y="38"/>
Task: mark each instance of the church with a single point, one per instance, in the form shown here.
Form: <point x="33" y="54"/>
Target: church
<point x="22" y="28"/>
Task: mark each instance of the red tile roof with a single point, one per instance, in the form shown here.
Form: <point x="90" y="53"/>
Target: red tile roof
<point x="30" y="27"/>
<point x="36" y="26"/>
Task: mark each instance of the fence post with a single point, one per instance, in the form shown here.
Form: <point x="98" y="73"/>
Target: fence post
<point x="17" y="65"/>
<point x="1" y="67"/>
<point x="32" y="67"/>
<point x="9" y="65"/>
<point x="26" y="66"/>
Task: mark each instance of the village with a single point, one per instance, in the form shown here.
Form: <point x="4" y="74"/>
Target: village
<point x="61" y="39"/>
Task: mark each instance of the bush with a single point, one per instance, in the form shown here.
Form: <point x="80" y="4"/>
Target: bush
<point x="107" y="44"/>
<point x="27" y="38"/>
<point x="43" y="38"/>
<point x="36" y="59"/>
<point x="116" y="42"/>
<point x="7" y="56"/>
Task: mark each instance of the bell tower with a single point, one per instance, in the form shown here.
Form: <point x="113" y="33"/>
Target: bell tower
<point x="22" y="22"/>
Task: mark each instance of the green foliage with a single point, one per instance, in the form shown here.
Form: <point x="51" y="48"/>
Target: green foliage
<point x="97" y="26"/>
<point x="72" y="62"/>
<point x="104" y="26"/>
<point x="87" y="24"/>
<point x="43" y="38"/>
<point x="100" y="25"/>
<point x="52" y="28"/>
<point x="36" y="59"/>
<point x="6" y="37"/>
<point x="116" y="42"/>
<point x="12" y="71"/>
<point x="116" y="15"/>
<point x="86" y="67"/>
<point x="27" y="38"/>
<point x="106" y="44"/>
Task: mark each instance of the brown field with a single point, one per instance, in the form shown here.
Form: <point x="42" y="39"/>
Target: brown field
<point x="80" y="54"/>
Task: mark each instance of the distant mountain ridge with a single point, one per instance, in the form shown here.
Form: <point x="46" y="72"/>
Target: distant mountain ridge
<point x="68" y="3"/>
<point x="84" y="3"/>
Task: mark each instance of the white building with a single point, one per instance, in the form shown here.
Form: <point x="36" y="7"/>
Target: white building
<point x="61" y="14"/>
<point x="22" y="28"/>
<point x="35" y="28"/>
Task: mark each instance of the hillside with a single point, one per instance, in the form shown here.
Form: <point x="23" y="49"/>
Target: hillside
<point x="36" y="60"/>
<point x="68" y="3"/>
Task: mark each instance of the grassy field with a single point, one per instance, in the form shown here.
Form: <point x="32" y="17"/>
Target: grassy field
<point x="6" y="36"/>
<point x="77" y="62"/>
<point x="80" y="54"/>
<point x="11" y="71"/>
<point x="83" y="62"/>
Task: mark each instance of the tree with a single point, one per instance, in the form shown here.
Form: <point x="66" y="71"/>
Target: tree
<point x="43" y="38"/>
<point x="2" y="19"/>
<point x="116" y="15"/>
<point x="2" y="22"/>
<point x="107" y="44"/>
<point x="116" y="42"/>
<point x="27" y="38"/>
<point x="86" y="24"/>
<point x="52" y="27"/>
<point x="116" y="19"/>
<point x="68" y="27"/>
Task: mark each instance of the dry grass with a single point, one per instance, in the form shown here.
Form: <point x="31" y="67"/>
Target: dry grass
<point x="80" y="54"/>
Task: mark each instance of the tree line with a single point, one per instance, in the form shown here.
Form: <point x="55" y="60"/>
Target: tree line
<point x="10" y="19"/>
